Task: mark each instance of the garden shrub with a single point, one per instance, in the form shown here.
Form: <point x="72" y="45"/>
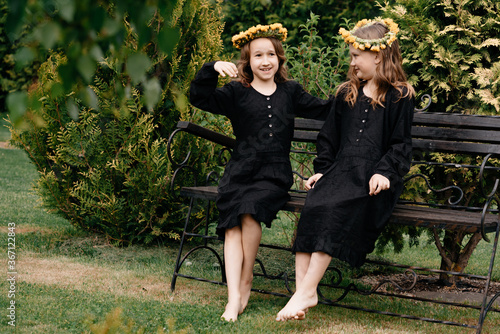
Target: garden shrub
<point x="103" y="165"/>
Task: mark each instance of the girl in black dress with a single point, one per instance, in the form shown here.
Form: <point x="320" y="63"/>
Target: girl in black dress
<point x="261" y="105"/>
<point x="364" y="150"/>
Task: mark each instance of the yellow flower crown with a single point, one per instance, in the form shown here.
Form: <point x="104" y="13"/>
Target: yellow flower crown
<point x="371" y="44"/>
<point x="275" y="30"/>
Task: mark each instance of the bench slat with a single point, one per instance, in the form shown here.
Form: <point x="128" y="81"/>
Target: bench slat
<point x="457" y="120"/>
<point x="403" y="214"/>
<point x="454" y="147"/>
<point x="308" y="124"/>
<point x="456" y="134"/>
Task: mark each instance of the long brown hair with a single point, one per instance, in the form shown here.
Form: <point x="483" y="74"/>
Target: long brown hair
<point x="245" y="72"/>
<point x="389" y="72"/>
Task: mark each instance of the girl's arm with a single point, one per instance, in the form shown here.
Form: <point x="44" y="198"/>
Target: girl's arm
<point x="204" y="93"/>
<point x="328" y="142"/>
<point x="395" y="163"/>
<point x="308" y="106"/>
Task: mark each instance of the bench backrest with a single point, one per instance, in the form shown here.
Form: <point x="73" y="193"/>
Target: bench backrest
<point x="434" y="132"/>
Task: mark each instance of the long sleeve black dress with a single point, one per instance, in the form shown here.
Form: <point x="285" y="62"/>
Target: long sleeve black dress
<point x="258" y="176"/>
<point x="340" y="218"/>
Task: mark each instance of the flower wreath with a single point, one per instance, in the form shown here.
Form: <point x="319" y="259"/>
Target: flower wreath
<point x="371" y="44"/>
<point x="275" y="30"/>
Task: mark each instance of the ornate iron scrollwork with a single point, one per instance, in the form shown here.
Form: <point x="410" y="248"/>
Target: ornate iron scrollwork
<point x="429" y="101"/>
<point x="455" y="188"/>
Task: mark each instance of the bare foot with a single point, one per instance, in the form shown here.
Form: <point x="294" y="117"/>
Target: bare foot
<point x="297" y="307"/>
<point x="231" y="312"/>
<point x="245" y="290"/>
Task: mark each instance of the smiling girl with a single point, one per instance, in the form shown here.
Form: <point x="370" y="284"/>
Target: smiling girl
<point x="261" y="106"/>
<point x="364" y="150"/>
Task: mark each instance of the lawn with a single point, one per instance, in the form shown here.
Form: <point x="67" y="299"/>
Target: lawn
<point x="70" y="281"/>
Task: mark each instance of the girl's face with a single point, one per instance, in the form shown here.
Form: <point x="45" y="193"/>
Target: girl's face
<point x="264" y="61"/>
<point x="364" y="63"/>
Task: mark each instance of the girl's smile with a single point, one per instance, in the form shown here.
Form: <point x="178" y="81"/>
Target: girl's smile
<point x="264" y="61"/>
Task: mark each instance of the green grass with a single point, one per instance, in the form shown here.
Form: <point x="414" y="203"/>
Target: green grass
<point x="74" y="282"/>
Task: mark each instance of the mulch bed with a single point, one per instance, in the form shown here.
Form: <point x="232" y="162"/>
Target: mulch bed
<point x="430" y="284"/>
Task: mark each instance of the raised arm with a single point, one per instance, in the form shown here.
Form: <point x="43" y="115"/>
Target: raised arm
<point x="204" y="93"/>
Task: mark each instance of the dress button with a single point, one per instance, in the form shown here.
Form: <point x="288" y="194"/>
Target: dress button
<point x="270" y="135"/>
<point x="270" y="115"/>
<point x="363" y="120"/>
<point x="357" y="139"/>
<point x="361" y="130"/>
<point x="366" y="110"/>
<point x="268" y="98"/>
<point x="269" y="107"/>
<point x="270" y="125"/>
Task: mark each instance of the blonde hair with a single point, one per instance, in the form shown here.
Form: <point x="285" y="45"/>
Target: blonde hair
<point x="245" y="72"/>
<point x="389" y="72"/>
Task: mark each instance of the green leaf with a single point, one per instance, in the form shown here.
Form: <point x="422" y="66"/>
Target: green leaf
<point x="168" y="39"/>
<point x="13" y="24"/>
<point x="24" y="56"/>
<point x="17" y="103"/>
<point x="137" y="65"/>
<point x="73" y="111"/>
<point x="66" y="9"/>
<point x="152" y="93"/>
<point x="86" y="66"/>
<point x="49" y="33"/>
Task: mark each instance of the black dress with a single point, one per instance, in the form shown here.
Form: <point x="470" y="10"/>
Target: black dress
<point x="258" y="176"/>
<point x="340" y="218"/>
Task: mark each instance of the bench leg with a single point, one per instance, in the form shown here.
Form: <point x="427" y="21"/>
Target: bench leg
<point x="485" y="307"/>
<point x="183" y="238"/>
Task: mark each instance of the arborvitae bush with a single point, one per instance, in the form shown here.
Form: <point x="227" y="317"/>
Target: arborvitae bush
<point x="451" y="50"/>
<point x="105" y="168"/>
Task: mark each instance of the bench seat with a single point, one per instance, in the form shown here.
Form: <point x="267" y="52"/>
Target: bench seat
<point x="404" y="214"/>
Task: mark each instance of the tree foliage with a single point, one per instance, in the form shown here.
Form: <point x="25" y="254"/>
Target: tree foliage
<point x="451" y="50"/>
<point x="12" y="77"/>
<point x="242" y="14"/>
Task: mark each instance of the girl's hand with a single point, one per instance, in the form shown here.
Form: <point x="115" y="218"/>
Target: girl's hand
<point x="378" y="183"/>
<point x="312" y="181"/>
<point x="225" y="67"/>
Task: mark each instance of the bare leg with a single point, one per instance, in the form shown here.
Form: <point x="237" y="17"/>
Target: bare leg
<point x="306" y="295"/>
<point x="233" y="259"/>
<point x="251" y="236"/>
<point x="302" y="261"/>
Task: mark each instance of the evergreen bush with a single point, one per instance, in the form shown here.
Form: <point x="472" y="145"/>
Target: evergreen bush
<point x="451" y="50"/>
<point x="103" y="164"/>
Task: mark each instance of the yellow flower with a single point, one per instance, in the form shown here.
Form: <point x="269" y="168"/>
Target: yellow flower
<point x="355" y="45"/>
<point x="375" y="48"/>
<point x="383" y="46"/>
<point x="252" y="30"/>
<point x="351" y="39"/>
<point x="368" y="45"/>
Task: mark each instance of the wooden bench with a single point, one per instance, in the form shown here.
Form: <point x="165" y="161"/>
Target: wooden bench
<point x="467" y="135"/>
